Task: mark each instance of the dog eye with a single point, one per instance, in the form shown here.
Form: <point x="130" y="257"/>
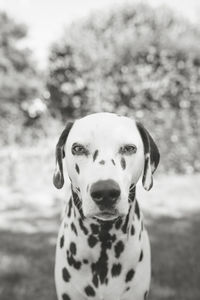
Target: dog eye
<point x="78" y="149"/>
<point x="128" y="149"/>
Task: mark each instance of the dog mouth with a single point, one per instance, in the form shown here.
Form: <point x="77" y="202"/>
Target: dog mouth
<point x="107" y="215"/>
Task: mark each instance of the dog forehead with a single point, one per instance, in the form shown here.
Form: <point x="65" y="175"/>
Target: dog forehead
<point x="104" y="127"/>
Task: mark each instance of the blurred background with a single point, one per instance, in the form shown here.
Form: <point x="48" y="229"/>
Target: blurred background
<point x="61" y="60"/>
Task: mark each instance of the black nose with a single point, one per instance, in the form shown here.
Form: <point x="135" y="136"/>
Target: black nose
<point x="105" y="192"/>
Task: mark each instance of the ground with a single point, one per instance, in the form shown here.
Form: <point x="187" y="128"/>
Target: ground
<point x="30" y="212"/>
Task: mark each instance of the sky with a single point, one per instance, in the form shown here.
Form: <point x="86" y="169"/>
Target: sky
<point x="46" y="19"/>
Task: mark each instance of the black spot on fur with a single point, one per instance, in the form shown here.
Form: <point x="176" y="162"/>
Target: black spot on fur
<point x="89" y="291"/>
<point x="123" y="163"/>
<point x="146" y="295"/>
<point x="113" y="161"/>
<point x="113" y="238"/>
<point x="132" y="192"/>
<point x="100" y="267"/>
<point x="102" y="162"/>
<point x="72" y="248"/>
<point x="137" y="210"/>
<point x="73" y="228"/>
<point x="62" y="239"/>
<point x="77" y="169"/>
<point x="132" y="230"/>
<point x="85" y="261"/>
<point x="96" y="152"/>
<point x="94" y="228"/>
<point x="95" y="280"/>
<point x="77" y="202"/>
<point x="118" y="223"/>
<point x="72" y="261"/>
<point x="69" y="208"/>
<point x="66" y="296"/>
<point x="92" y="240"/>
<point x="125" y="225"/>
<point x="83" y="228"/>
<point x="141" y="255"/>
<point x="128" y="288"/>
<point x="119" y="248"/>
<point x="116" y="270"/>
<point x="66" y="275"/>
<point x="130" y="275"/>
<point x="105" y="227"/>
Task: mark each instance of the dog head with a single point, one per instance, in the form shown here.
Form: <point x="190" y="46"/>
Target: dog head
<point x="105" y="155"/>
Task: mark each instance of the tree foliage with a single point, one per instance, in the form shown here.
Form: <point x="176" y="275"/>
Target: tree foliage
<point x="19" y="79"/>
<point x="134" y="60"/>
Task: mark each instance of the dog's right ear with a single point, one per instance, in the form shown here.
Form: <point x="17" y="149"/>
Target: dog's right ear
<point x="58" y="177"/>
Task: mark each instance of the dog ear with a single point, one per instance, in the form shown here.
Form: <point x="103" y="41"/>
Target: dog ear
<point x="58" y="177"/>
<point x="151" y="156"/>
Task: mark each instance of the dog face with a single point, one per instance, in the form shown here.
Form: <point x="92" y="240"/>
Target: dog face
<point x="105" y="155"/>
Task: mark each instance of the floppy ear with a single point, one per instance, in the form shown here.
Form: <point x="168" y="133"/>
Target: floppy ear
<point x="58" y="177"/>
<point x="151" y="156"/>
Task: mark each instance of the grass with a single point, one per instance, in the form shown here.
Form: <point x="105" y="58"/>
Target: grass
<point x="175" y="258"/>
<point x="30" y="209"/>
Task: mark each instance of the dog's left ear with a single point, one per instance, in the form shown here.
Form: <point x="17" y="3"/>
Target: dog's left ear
<point x="151" y="157"/>
<point x="58" y="177"/>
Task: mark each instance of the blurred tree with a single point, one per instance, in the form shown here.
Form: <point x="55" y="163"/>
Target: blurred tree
<point x="126" y="57"/>
<point x="19" y="79"/>
<point x="134" y="59"/>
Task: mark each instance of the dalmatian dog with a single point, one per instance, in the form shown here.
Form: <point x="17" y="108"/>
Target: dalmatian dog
<point x="103" y="250"/>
